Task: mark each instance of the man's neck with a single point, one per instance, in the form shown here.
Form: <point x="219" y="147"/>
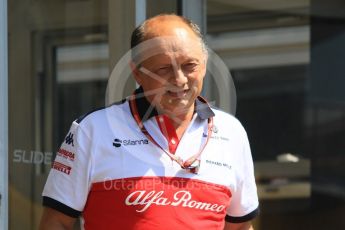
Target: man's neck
<point x="181" y="121"/>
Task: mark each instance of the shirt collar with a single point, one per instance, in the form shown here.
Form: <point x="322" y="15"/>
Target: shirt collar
<point x="147" y="111"/>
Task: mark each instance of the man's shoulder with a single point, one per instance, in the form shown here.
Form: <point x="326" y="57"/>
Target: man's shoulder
<point x="224" y="116"/>
<point x="100" y="114"/>
<point x="226" y="119"/>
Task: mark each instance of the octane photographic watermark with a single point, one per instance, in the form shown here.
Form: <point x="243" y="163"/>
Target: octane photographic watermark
<point x="215" y="69"/>
<point x="129" y="184"/>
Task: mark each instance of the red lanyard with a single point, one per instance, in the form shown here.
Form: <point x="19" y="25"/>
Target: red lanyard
<point x="193" y="163"/>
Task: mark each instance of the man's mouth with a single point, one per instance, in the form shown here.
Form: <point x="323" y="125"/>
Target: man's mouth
<point x="178" y="93"/>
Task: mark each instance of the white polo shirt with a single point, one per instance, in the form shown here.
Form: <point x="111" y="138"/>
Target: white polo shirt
<point x="108" y="172"/>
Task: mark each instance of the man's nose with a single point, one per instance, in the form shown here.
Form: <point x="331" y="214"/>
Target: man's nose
<point x="180" y="78"/>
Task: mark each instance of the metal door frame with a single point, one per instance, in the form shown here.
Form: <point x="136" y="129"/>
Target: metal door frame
<point x="3" y="116"/>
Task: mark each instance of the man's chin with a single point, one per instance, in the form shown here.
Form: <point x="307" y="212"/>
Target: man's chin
<point x="175" y="107"/>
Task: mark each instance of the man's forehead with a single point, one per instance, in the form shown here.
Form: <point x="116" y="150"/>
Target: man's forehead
<point x="181" y="32"/>
<point x="167" y="45"/>
<point x="165" y="26"/>
<point x="172" y="44"/>
<point x="170" y="31"/>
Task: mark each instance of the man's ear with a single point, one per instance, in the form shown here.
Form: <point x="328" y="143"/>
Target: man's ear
<point x="136" y="72"/>
<point x="204" y="67"/>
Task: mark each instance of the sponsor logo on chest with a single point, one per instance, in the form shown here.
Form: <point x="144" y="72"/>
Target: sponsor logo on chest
<point x="118" y="142"/>
<point x="145" y="199"/>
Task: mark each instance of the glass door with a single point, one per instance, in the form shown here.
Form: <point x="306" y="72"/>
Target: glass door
<point x="58" y="66"/>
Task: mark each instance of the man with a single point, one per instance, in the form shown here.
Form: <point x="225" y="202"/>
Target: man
<point x="162" y="159"/>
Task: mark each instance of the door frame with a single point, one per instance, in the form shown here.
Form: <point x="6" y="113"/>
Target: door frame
<point x="3" y="116"/>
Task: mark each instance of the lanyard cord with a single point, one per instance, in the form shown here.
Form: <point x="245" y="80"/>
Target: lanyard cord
<point x="188" y="164"/>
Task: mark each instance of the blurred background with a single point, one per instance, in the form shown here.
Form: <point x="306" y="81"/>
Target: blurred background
<point x="285" y="57"/>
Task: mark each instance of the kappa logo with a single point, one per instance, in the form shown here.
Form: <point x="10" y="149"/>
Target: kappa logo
<point x="117" y="142"/>
<point x="69" y="139"/>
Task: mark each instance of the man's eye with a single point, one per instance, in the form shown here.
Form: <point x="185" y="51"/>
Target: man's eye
<point x="163" y="70"/>
<point x="190" y="66"/>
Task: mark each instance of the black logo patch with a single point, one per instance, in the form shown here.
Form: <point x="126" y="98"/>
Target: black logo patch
<point x="117" y="142"/>
<point x="69" y="139"/>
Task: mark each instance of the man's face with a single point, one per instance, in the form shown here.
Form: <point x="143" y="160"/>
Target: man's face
<point x="172" y="73"/>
